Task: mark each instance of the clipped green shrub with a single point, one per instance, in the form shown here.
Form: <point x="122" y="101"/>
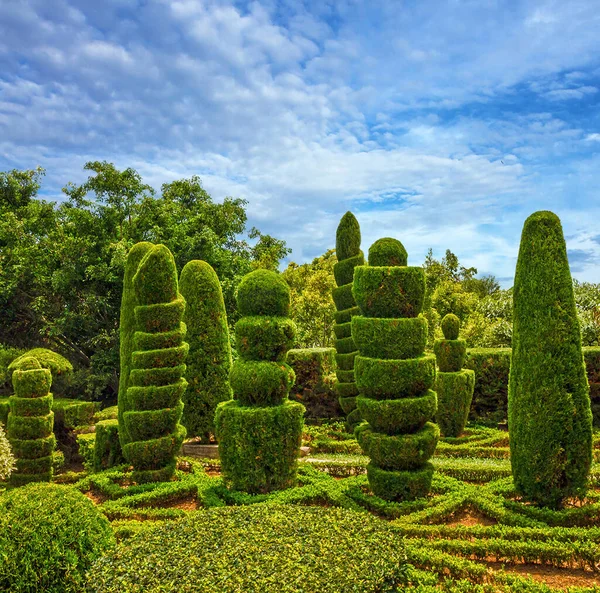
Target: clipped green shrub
<point x="453" y="385"/>
<point x="259" y="433"/>
<point x="349" y="257"/>
<point x="154" y="435"/>
<point x="591" y="355"/>
<point x="31" y="422"/>
<point x="393" y="375"/>
<point x="107" y="447"/>
<point x="127" y="329"/>
<point x="60" y="368"/>
<point x="7" y="460"/>
<point x="269" y="549"/>
<point x="49" y="537"/>
<point x="549" y="413"/>
<point x="209" y="358"/>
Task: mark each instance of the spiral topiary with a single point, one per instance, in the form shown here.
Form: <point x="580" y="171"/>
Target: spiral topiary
<point x="259" y="432"/>
<point x="31" y="422"/>
<point x="549" y="415"/>
<point x="393" y="376"/>
<point x="349" y="255"/>
<point x="454" y="386"/>
<point x="156" y="384"/>
<point x="209" y="358"/>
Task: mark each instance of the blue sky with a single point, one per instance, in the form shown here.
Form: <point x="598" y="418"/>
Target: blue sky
<point x="444" y="124"/>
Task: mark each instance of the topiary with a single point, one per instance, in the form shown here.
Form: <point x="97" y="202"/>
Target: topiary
<point x="209" y="358"/>
<point x="127" y="330"/>
<point x="156" y="384"/>
<point x="31" y="422"/>
<point x="393" y="376"/>
<point x="453" y="385"/>
<point x="49" y="537"/>
<point x="59" y="366"/>
<point x="349" y="256"/>
<point x="259" y="432"/>
<point x="7" y="460"/>
<point x="549" y="413"/>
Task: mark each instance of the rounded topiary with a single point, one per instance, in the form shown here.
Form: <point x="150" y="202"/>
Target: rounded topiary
<point x="263" y="292"/>
<point x="30" y="423"/>
<point x="349" y="257"/>
<point x="549" y="415"/>
<point x="393" y="376"/>
<point x="259" y="433"/>
<point x="387" y="252"/>
<point x="154" y="432"/>
<point x="49" y="537"/>
<point x="209" y="358"/>
<point x="450" y="326"/>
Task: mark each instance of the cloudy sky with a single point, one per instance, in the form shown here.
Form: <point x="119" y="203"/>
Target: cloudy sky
<point x="441" y="123"/>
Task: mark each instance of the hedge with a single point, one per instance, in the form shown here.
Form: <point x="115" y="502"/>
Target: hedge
<point x="548" y="396"/>
<point x="209" y="358"/>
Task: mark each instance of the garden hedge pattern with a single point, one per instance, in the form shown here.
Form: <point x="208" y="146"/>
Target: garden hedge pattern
<point x="395" y="395"/>
<point x="259" y="432"/>
<point x="152" y="421"/>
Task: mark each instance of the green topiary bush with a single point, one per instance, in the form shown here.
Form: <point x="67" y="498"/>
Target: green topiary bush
<point x="209" y="358"/>
<point x="49" y="537"/>
<point x="393" y="376"/>
<point x="349" y="257"/>
<point x="453" y="385"/>
<point x="30" y="423"/>
<point x="259" y="433"/>
<point x="59" y="366"/>
<point x="549" y="415"/>
<point x="107" y="448"/>
<point x="154" y="433"/>
<point x="259" y="549"/>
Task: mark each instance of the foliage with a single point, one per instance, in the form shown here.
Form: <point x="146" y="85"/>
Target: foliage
<point x="548" y="396"/>
<point x="209" y="358"/>
<point x="59" y="366"/>
<point x="62" y="265"/>
<point x="7" y="460"/>
<point x="7" y="355"/>
<point x="49" y="537"/>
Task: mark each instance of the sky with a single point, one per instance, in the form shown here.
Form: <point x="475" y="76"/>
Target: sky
<point x="441" y="123"/>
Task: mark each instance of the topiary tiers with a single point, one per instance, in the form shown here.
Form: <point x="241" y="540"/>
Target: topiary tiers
<point x="393" y="376"/>
<point x="343" y="270"/>
<point x="548" y="395"/>
<point x="450" y="326"/>
<point x="450" y="354"/>
<point x="259" y="433"/>
<point x="347" y="237"/>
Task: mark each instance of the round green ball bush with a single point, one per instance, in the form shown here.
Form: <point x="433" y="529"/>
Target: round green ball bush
<point x="49" y="537"/>
<point x="347" y="237"/>
<point x="387" y="252"/>
<point x="258" y="549"/>
<point x="450" y="326"/>
<point x="263" y="292"/>
<point x="400" y="485"/>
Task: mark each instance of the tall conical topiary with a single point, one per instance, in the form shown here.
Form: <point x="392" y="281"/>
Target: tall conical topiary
<point x="31" y="422"/>
<point x="549" y="415"/>
<point x="209" y="358"/>
<point x="393" y="376"/>
<point x="349" y="255"/>
<point x="156" y="384"/>
<point x="453" y="384"/>
<point x="259" y="432"/>
<point x="127" y="330"/>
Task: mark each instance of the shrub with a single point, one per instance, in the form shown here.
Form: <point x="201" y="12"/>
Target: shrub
<point x="548" y="399"/>
<point x="259" y="433"/>
<point x="30" y="422"/>
<point x="154" y="435"/>
<point x="395" y="396"/>
<point x="60" y="368"/>
<point x="7" y="355"/>
<point x="349" y="256"/>
<point x="107" y="448"/>
<point x="209" y="358"/>
<point x="258" y="548"/>
<point x="453" y="385"/>
<point x="7" y="460"/>
<point x="49" y="537"/>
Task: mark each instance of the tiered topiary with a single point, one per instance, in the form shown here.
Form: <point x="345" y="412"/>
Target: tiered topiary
<point x="393" y="376"/>
<point x="209" y="358"/>
<point x="453" y="384"/>
<point x="59" y="366"/>
<point x="30" y="423"/>
<point x="127" y="330"/>
<point x="156" y="383"/>
<point x="259" y="432"/>
<point x="349" y="255"/>
<point x="549" y="414"/>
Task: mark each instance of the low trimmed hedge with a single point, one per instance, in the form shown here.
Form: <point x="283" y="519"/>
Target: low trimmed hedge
<point x="258" y="548"/>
